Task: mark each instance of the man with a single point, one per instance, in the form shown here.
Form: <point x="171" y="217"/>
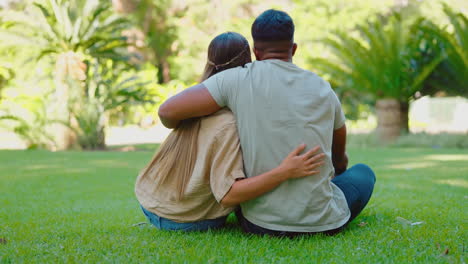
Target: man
<point x="278" y="106"/>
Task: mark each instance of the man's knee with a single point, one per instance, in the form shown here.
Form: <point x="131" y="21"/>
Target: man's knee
<point x="365" y="171"/>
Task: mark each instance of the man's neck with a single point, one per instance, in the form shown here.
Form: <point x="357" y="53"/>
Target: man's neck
<point x="276" y="56"/>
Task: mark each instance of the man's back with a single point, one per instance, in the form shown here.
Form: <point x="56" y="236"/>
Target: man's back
<point x="277" y="107"/>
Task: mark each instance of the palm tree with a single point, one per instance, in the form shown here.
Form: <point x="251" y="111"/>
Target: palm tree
<point x="451" y="76"/>
<point x="380" y="62"/>
<point x="6" y="74"/>
<point x="70" y="33"/>
<point x="107" y="88"/>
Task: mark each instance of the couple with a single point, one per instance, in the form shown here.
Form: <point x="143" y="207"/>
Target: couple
<point x="215" y="159"/>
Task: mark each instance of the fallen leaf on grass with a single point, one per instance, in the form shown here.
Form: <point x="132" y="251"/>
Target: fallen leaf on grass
<point x="139" y="224"/>
<point x="362" y="224"/>
<point x="444" y="254"/>
<point x="404" y="221"/>
<point x="3" y="240"/>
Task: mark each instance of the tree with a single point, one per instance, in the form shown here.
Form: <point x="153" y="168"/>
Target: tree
<point x="6" y="74"/>
<point x="70" y="34"/>
<point x="451" y="76"/>
<point x="109" y="85"/>
<point x="156" y="27"/>
<point x="381" y="62"/>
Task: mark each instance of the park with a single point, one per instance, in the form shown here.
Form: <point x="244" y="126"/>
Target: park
<point x="81" y="83"/>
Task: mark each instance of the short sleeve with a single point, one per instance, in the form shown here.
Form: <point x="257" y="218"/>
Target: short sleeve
<point x="340" y="118"/>
<point x="227" y="165"/>
<point x="222" y="86"/>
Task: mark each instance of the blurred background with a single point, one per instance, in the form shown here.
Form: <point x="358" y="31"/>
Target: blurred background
<point x="91" y="74"/>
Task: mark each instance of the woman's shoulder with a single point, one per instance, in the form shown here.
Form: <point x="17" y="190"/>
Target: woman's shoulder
<point x="223" y="116"/>
<point x="223" y="119"/>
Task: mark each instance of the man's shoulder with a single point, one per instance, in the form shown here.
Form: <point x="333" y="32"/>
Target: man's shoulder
<point x="288" y="66"/>
<point x="318" y="80"/>
<point x="314" y="76"/>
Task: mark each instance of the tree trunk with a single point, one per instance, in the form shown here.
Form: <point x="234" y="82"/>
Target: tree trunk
<point x="389" y="121"/>
<point x="163" y="71"/>
<point x="401" y="3"/>
<point x="99" y="140"/>
<point x="404" y="113"/>
<point x="63" y="136"/>
<point x="124" y="6"/>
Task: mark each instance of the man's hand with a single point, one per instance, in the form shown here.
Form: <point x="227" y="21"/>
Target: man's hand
<point x="340" y="165"/>
<point x="195" y="101"/>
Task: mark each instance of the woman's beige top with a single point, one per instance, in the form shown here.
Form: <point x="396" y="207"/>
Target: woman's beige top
<point x="218" y="165"/>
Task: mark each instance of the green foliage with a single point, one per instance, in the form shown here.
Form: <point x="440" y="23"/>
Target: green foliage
<point x="84" y="40"/>
<point x="318" y="19"/>
<point x="442" y="140"/>
<point x="6" y="75"/>
<point x="90" y="126"/>
<point x="157" y="19"/>
<point x="414" y="140"/>
<point x="79" y="207"/>
<point x="114" y="85"/>
<point x="63" y="41"/>
<point x="195" y="31"/>
<point x="35" y="128"/>
<point x="56" y="26"/>
<point x="381" y="62"/>
<point x="147" y="113"/>
<point x="108" y="88"/>
<point x="451" y="76"/>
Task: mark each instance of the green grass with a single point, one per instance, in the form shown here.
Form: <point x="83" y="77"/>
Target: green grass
<point x="80" y="207"/>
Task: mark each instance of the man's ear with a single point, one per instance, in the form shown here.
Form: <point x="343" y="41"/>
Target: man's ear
<point x="294" y="48"/>
<point x="257" y="53"/>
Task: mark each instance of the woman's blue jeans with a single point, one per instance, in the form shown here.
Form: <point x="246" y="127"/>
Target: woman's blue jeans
<point x="167" y="224"/>
<point x="357" y="184"/>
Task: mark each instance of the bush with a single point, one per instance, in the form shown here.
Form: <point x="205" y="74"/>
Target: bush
<point x="416" y="140"/>
<point x="443" y="140"/>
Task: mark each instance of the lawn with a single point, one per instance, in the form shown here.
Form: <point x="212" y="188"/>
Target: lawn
<point x="80" y="207"/>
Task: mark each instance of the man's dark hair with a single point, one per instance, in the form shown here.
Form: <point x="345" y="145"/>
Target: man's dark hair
<point x="273" y="25"/>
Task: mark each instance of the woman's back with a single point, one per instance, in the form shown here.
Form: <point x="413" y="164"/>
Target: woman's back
<point x="217" y="166"/>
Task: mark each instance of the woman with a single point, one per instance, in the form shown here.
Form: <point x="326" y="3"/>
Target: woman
<point x="196" y="178"/>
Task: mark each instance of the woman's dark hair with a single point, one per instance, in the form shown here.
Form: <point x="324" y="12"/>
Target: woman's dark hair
<point x="273" y="25"/>
<point x="227" y="50"/>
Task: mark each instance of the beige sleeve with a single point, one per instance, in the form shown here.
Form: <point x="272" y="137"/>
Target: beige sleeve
<point x="227" y="164"/>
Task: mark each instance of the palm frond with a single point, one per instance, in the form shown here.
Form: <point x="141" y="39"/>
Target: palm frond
<point x="379" y="61"/>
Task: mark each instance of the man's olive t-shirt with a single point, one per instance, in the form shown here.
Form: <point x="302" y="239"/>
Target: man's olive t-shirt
<point x="277" y="107"/>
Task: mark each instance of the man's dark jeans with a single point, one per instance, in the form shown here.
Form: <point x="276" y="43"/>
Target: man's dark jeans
<point x="357" y="184"/>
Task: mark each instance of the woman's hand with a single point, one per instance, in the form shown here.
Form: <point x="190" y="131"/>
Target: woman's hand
<point x="296" y="165"/>
<point x="293" y="166"/>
